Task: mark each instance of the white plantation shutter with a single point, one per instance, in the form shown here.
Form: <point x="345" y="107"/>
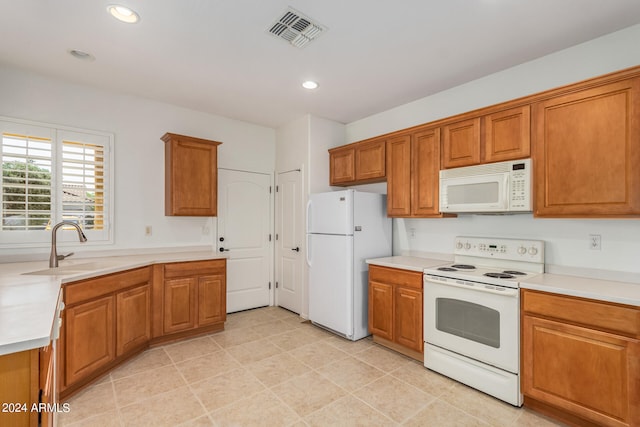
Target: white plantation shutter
<point x="26" y="181"/>
<point x="51" y="174"/>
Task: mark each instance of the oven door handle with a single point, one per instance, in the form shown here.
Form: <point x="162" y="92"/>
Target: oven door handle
<point x="506" y="292"/>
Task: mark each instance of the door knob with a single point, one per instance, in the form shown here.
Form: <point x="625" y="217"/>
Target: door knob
<point x="297" y="249"/>
<point x="224" y="250"/>
<point x="222" y="239"/>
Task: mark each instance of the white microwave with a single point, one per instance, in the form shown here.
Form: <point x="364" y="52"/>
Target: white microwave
<point x="503" y="187"/>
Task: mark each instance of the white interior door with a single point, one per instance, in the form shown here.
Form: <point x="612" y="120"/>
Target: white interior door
<point x="244" y="234"/>
<point x="290" y="238"/>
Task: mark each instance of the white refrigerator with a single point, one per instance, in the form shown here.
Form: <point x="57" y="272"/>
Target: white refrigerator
<point x="344" y="228"/>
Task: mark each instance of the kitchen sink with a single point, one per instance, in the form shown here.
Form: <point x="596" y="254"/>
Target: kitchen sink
<point x="72" y="269"/>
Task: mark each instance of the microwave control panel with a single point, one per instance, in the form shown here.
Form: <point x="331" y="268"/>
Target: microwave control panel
<point x="520" y="185"/>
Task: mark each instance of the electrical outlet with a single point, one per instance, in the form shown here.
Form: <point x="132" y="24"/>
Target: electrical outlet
<point x="148" y="230"/>
<point x="595" y="242"/>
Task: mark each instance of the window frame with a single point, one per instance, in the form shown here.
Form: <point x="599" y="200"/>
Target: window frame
<point x="59" y="134"/>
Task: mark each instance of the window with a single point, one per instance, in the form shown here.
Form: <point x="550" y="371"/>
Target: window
<point x="52" y="174"/>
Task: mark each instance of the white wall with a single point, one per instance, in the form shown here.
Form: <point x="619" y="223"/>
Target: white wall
<point x="303" y="144"/>
<point x="323" y="134"/>
<point x="138" y="125"/>
<point x="566" y="240"/>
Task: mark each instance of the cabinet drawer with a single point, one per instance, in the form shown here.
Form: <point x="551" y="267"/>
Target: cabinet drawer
<point x="194" y="268"/>
<point x="395" y="276"/>
<point x="92" y="288"/>
<point x="604" y="316"/>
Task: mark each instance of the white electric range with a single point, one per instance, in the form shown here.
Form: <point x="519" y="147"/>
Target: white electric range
<point x="472" y="313"/>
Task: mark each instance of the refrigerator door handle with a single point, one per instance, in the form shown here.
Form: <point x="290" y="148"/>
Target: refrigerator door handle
<point x="308" y="252"/>
<point x="308" y="216"/>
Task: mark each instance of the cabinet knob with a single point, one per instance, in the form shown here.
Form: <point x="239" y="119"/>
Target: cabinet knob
<point x="222" y="239"/>
<point x="223" y="250"/>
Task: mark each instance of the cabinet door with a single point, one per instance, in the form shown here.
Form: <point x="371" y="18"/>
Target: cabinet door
<point x="589" y="373"/>
<point x="399" y="176"/>
<point x="179" y="304"/>
<point x="408" y="318"/>
<point x="211" y="300"/>
<point x="133" y="319"/>
<point x="342" y="165"/>
<point x="19" y="386"/>
<point x="191" y="181"/>
<point x="370" y="160"/>
<point x="507" y="135"/>
<point x="587" y="152"/>
<point x="425" y="169"/>
<point x="89" y="334"/>
<point x="381" y="310"/>
<point x="461" y="143"/>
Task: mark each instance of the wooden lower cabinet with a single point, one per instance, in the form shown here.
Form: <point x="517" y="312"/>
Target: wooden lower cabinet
<point x="408" y="318"/>
<point x="395" y="309"/>
<point x="179" y="304"/>
<point x="581" y="359"/>
<point x="212" y="299"/>
<point x="133" y="319"/>
<point x="106" y="320"/>
<point x="19" y="388"/>
<point x="380" y="309"/>
<point x="89" y="333"/>
<point x="195" y="296"/>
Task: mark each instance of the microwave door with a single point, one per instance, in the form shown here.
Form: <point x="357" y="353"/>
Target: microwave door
<point x="484" y="193"/>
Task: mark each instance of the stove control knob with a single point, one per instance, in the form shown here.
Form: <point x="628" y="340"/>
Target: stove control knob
<point x="467" y="246"/>
<point x="533" y="250"/>
<point x="522" y="250"/>
<point x="459" y="245"/>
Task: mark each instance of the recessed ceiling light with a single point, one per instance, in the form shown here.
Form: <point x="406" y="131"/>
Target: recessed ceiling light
<point x="123" y="13"/>
<point x="84" y="56"/>
<point x="310" y="84"/>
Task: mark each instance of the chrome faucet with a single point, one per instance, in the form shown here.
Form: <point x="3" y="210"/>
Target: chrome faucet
<point x="54" y="257"/>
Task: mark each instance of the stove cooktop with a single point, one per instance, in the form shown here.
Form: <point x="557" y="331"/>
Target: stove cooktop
<point x="483" y="274"/>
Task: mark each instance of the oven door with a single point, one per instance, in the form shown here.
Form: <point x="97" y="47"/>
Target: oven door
<point x="475" y="320"/>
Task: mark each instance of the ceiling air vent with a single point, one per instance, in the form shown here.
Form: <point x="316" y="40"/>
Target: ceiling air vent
<point x="296" y="28"/>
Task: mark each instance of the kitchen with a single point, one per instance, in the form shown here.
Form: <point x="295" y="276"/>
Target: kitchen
<point x="138" y="124"/>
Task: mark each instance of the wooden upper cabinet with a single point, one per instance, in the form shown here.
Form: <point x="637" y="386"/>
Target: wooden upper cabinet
<point x="461" y="143"/>
<point x="399" y="176"/>
<point x="413" y="165"/>
<point x="342" y="165"/>
<point x="370" y="160"/>
<point x="507" y="135"/>
<point x="191" y="176"/>
<point x="425" y="170"/>
<point x="503" y="135"/>
<point x="358" y="163"/>
<point x="588" y="152"/>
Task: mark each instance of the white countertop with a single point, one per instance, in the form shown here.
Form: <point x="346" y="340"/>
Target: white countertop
<point x="604" y="290"/>
<point x="599" y="289"/>
<point x="407" y="262"/>
<point x="28" y="302"/>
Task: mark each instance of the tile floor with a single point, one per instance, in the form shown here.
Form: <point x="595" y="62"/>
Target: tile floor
<point x="269" y="368"/>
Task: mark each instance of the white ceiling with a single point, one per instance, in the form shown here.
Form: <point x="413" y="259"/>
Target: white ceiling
<point x="216" y="56"/>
